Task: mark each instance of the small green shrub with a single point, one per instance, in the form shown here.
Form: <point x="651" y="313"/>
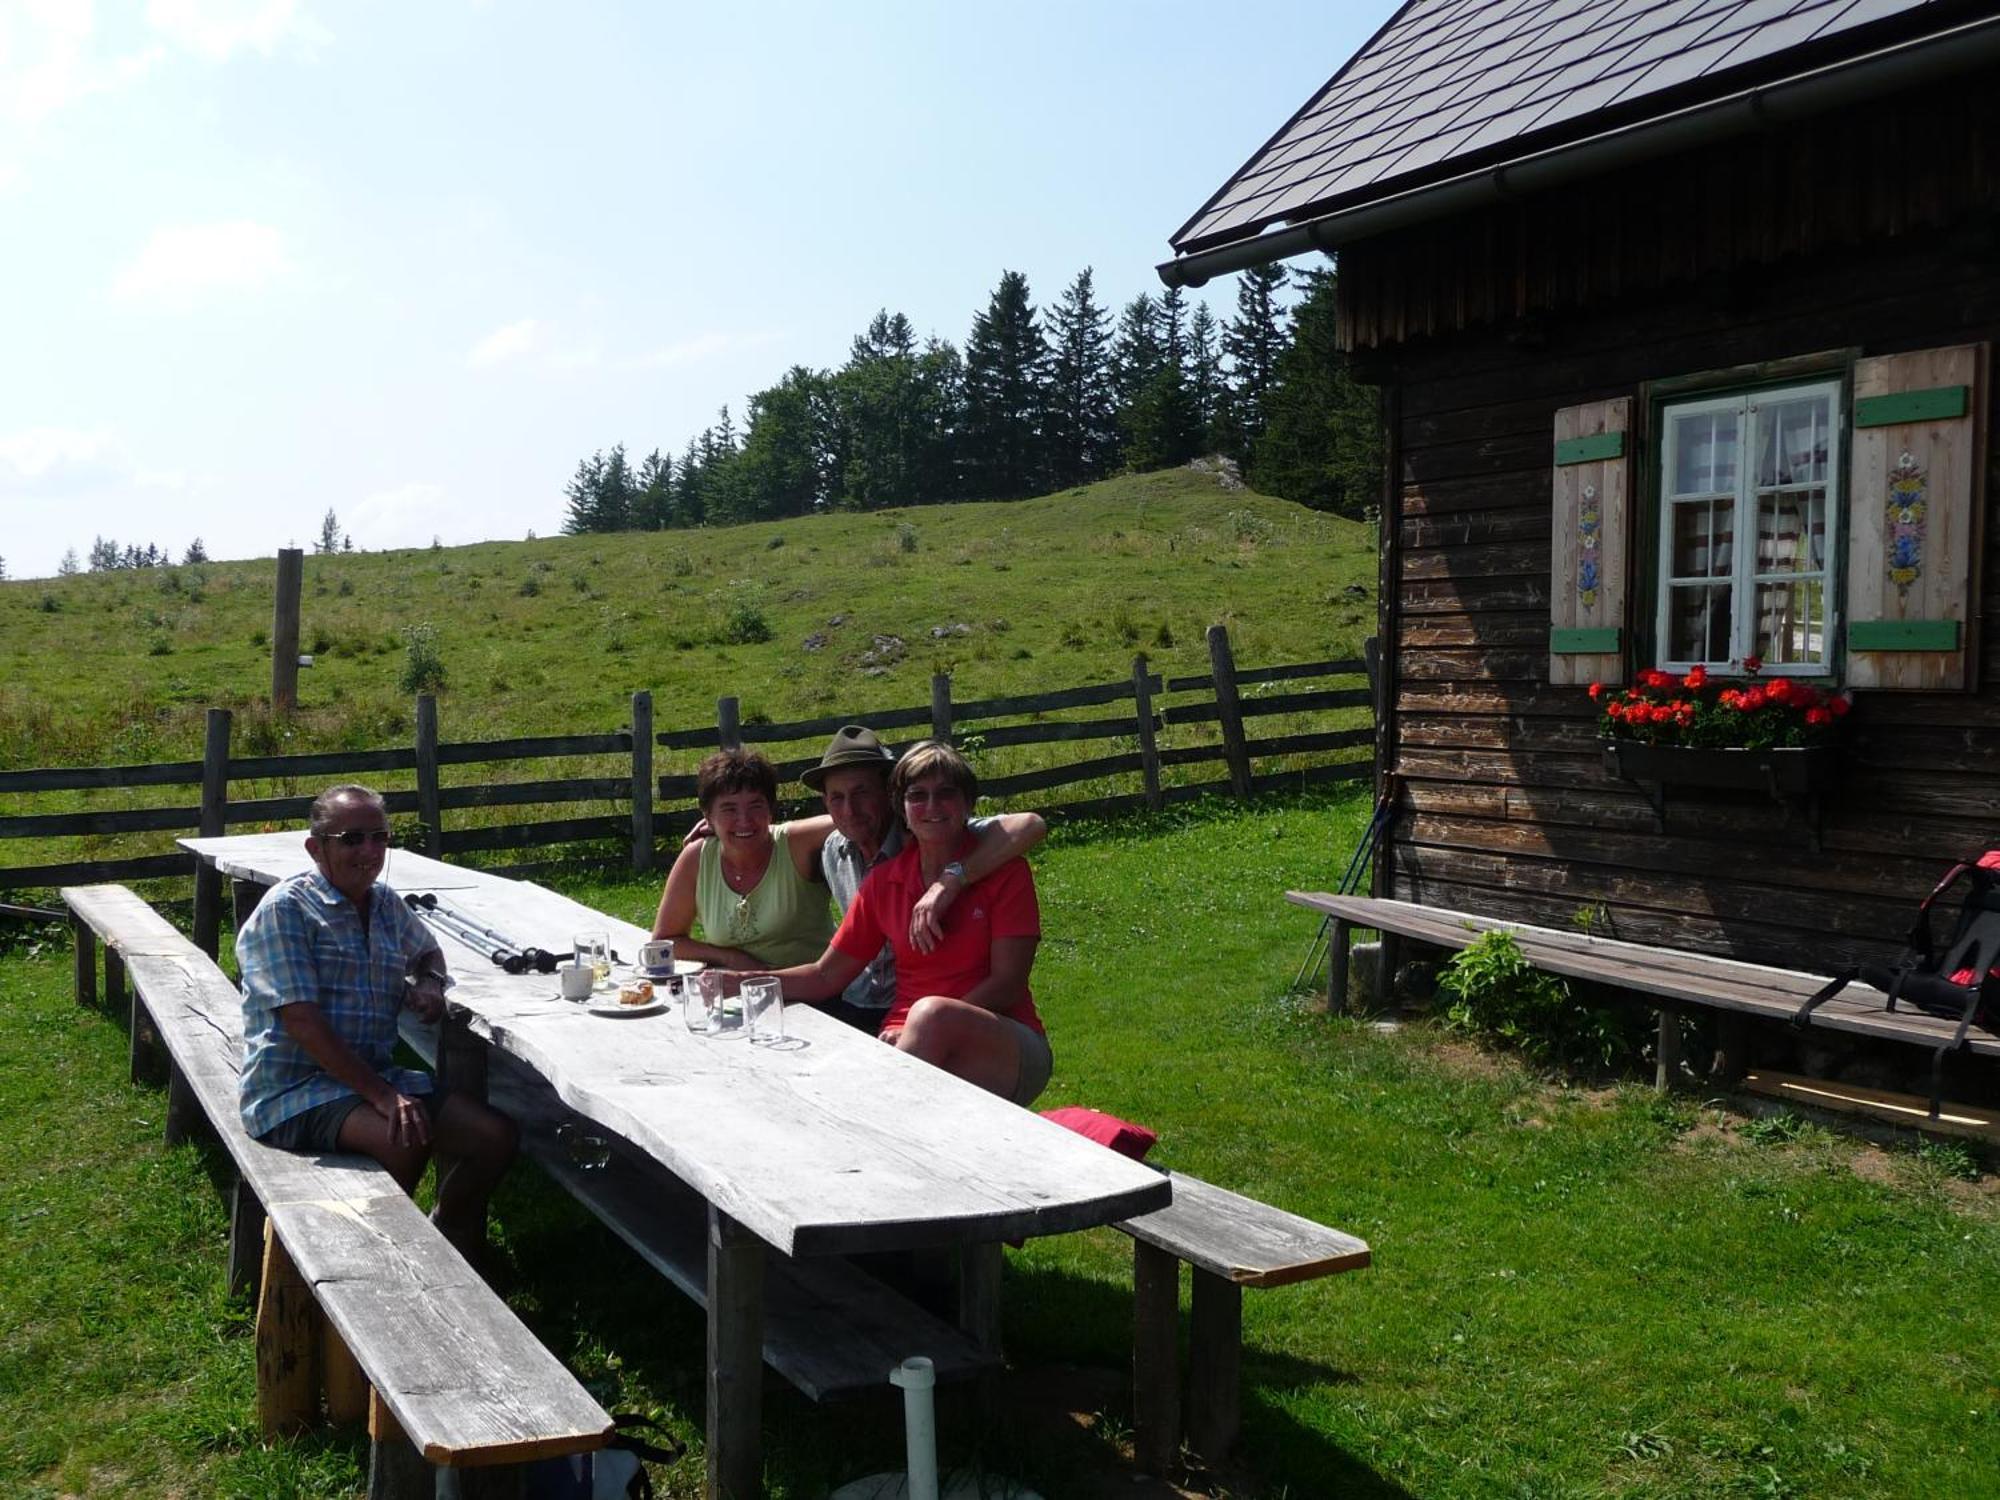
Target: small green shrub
<point x="906" y="537"/>
<point x="50" y="605"/>
<point x="260" y="638"/>
<point x="1780" y="1129"/>
<point x="1072" y="636"/>
<point x="746" y="625"/>
<point x="1493" y="991"/>
<point x="1164" y="636"/>
<point x="159" y="645"/>
<point x="346" y="589"/>
<point x="1948" y="1159"/>
<point x="774" y="544"/>
<point x="682" y="566"/>
<point x="530" y="586"/>
<point x="423" y="665"/>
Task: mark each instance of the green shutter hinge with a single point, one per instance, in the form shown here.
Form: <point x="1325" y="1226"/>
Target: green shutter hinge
<point x="1939" y="404"/>
<point x="1584" y="450"/>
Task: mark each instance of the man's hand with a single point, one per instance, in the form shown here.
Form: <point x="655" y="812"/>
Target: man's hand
<point x="696" y="834"/>
<point x="927" y="916"/>
<point x="409" y="1122"/>
<point x="424" y="994"/>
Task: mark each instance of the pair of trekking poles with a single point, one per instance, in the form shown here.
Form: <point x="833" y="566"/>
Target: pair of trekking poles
<point x="1357" y="867"/>
<point x="506" y="953"/>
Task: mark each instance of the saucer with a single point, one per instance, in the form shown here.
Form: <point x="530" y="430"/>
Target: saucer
<point x="613" y="1008"/>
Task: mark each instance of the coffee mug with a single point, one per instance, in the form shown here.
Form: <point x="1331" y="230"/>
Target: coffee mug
<point x="577" y="980"/>
<point x="657" y="956"/>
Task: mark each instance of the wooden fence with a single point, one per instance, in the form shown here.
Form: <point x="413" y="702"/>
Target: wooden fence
<point x="1142" y="713"/>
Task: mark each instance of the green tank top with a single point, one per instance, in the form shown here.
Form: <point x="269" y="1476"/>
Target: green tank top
<point x="786" y="920"/>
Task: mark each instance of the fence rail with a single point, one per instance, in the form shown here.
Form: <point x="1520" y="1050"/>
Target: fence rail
<point x="972" y="724"/>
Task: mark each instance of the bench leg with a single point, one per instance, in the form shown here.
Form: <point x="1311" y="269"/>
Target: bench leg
<point x="1215" y="1359"/>
<point x="1156" y="1366"/>
<point x="146" y="1054"/>
<point x="86" y="961"/>
<point x="186" y="1120"/>
<point x="462" y="1064"/>
<point x="287" y="1345"/>
<point x="396" y="1471"/>
<point x="1339" y="944"/>
<point x="340" y="1374"/>
<point x="1390" y="960"/>
<point x="735" y="1360"/>
<point x="246" y="1241"/>
<point x="1732" y="1050"/>
<point x="1668" y="1067"/>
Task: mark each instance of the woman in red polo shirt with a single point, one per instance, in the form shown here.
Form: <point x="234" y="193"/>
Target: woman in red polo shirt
<point x="964" y="1006"/>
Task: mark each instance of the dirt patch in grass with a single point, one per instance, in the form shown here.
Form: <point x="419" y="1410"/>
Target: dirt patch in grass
<point x="1873" y="1165"/>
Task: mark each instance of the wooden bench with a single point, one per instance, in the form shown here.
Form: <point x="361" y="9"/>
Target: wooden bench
<point x="1230" y="1242"/>
<point x="1669" y="978"/>
<point x="355" y="1281"/>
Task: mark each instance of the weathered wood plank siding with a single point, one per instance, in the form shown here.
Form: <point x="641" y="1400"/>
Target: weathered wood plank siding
<point x="1873" y="230"/>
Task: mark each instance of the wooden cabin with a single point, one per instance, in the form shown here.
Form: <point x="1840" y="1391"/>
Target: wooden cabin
<point x="1681" y="314"/>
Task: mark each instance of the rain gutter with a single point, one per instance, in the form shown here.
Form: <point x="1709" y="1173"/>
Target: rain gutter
<point x="1761" y="108"/>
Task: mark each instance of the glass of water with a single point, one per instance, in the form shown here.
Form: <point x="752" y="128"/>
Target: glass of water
<point x="593" y="949"/>
<point x="725" y="1002"/>
<point x="764" y="1005"/>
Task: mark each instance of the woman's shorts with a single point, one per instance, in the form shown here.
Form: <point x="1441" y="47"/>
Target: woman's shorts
<point x="1037" y="1062"/>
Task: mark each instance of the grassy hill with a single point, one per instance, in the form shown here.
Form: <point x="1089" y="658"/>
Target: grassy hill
<point x="555" y="634"/>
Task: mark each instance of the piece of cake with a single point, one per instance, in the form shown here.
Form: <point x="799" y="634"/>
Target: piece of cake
<point x="639" y="992"/>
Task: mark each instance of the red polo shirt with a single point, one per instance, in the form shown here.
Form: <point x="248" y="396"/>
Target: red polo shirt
<point x="1000" y="906"/>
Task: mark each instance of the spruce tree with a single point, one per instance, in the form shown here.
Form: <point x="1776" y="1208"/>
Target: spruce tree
<point x="782" y="468"/>
<point x="329" y="534"/>
<point x="69" y="567"/>
<point x="688" y="511"/>
<point x="1006" y="362"/>
<point x="939" y="420"/>
<point x="1253" y="339"/>
<point x="876" y="428"/>
<point x="653" y="494"/>
<point x="582" y="491"/>
<point x="196" y="553"/>
<point x="1204" y="372"/>
<point x="103" y="555"/>
<point x="1322" y="445"/>
<point x="1080" y="427"/>
<point x="1136" y="357"/>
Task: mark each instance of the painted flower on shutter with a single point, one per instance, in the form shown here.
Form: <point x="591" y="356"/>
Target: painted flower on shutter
<point x="1589" y="528"/>
<point x="1905" y="510"/>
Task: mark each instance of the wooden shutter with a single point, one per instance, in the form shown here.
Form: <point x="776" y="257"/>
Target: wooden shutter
<point x="1913" y="532"/>
<point x="1593" y="465"/>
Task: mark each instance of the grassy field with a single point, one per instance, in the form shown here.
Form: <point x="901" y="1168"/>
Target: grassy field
<point x="1578" y="1290"/>
<point x="555" y="635"/>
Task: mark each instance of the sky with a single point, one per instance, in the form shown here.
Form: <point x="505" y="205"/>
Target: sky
<point x="410" y="262"/>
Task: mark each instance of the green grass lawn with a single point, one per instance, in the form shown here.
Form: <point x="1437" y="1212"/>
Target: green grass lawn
<point x="1576" y="1290"/>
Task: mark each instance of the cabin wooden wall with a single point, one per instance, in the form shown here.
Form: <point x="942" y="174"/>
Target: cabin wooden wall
<point x="1507" y="808"/>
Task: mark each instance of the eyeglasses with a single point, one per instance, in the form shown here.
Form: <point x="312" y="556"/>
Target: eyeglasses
<point x="924" y="796"/>
<point x="354" y="838"/>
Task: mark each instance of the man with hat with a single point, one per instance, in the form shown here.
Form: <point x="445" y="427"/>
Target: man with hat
<point x="853" y="778"/>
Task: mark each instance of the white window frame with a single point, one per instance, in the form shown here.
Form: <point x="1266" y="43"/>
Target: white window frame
<point x="1744" y="576"/>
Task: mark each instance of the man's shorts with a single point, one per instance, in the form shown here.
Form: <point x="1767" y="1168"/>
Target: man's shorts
<point x="316" y="1131"/>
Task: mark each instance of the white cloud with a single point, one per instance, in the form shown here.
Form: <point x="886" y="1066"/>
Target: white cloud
<point x="409" y="515"/>
<point x="52" y="461"/>
<point x="49" y="58"/>
<point x="181" y="263"/>
<point x="217" y="30"/>
<point x="503" y="344"/>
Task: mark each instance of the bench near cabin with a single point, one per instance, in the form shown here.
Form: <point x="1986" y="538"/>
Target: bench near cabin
<point x="1676" y="981"/>
<point x="359" y="1297"/>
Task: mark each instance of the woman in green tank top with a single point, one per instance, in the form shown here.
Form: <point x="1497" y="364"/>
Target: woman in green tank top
<point x="755" y="889"/>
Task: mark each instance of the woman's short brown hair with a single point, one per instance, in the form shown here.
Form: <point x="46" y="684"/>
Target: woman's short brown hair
<point x="933" y="758"/>
<point x="729" y="771"/>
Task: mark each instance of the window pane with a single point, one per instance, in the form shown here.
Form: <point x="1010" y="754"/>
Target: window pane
<point x="1698" y="623"/>
<point x="1703" y="533"/>
<point x="1705" y="446"/>
<point x="1792" y="440"/>
<point x="1791" y="532"/>
<point x="1791" y="622"/>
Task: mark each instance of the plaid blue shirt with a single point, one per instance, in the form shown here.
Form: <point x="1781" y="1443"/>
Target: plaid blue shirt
<point x="304" y="942"/>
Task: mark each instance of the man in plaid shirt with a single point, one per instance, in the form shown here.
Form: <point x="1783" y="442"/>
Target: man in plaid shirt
<point x="329" y="959"/>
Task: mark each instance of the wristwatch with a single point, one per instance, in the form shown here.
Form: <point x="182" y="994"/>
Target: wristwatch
<point x="956" y="867"/>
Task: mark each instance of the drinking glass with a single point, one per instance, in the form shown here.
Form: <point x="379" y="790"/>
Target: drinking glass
<point x="764" y="1004"/>
<point x="594" y="949"/>
<point x="588" y="1150"/>
<point x="725" y="1002"/>
<point x="695" y="1008"/>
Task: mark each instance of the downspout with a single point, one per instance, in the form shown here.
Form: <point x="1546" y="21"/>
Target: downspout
<point x="1761" y="108"/>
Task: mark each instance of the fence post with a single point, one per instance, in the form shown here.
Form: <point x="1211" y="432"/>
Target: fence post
<point x="214" y="802"/>
<point x="1149" y="750"/>
<point x="728" y="732"/>
<point x="285" y="631"/>
<point x="642" y="780"/>
<point x="941" y="707"/>
<point x="427" y="775"/>
<point x="1223" y="664"/>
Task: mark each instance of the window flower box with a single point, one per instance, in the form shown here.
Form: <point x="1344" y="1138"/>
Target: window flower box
<point x="1791" y="775"/>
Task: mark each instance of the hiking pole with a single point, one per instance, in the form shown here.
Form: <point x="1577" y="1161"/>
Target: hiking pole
<point x="465" y="919"/>
<point x="1363" y="851"/>
<point x="484" y="940"/>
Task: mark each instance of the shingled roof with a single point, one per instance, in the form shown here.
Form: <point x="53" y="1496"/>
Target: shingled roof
<point x="1449" y="87"/>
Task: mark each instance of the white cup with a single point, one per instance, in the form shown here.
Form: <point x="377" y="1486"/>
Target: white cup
<point x="657" y="956"/>
<point x="577" y="980"/>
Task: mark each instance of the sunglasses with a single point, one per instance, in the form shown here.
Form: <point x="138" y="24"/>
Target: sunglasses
<point x="354" y="838"/>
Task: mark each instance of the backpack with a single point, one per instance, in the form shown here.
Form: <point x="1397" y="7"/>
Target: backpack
<point x="1959" y="981"/>
<point x="613" y="1472"/>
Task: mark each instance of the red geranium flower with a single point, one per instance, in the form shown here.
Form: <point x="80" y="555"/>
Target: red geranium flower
<point x="1596" y="691"/>
<point x="1818" y="716"/>
<point x="1753" y="664"/>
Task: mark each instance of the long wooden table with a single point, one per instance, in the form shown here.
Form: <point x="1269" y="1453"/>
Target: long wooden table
<point x="829" y="1145"/>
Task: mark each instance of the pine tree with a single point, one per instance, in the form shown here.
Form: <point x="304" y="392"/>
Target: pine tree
<point x="1081" y="424"/>
<point x="1160" y="424"/>
<point x="196" y="552"/>
<point x="1322" y="445"/>
<point x="329" y="534"/>
<point x="1136" y="357"/>
<point x="582" y="491"/>
<point x="1005" y="370"/>
<point x="935" y="474"/>
<point x="782" y="469"/>
<point x="1204" y="372"/>
<point x="1253" y="339"/>
<point x="653" y="502"/>
<point x="616" y="492"/>
<point x="688" y="509"/>
<point x="722" y="499"/>
<point x="3" y="570"/>
<point x="68" y="567"/>
<point x="103" y="555"/>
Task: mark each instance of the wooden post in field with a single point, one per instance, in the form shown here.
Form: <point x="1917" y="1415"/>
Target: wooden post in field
<point x="642" y="781"/>
<point x="941" y="707"/>
<point x="214" y="801"/>
<point x="1223" y="664"/>
<point x="728" y="732"/>
<point x="285" y="631"/>
<point x="1149" y="749"/>
<point x="427" y="775"/>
